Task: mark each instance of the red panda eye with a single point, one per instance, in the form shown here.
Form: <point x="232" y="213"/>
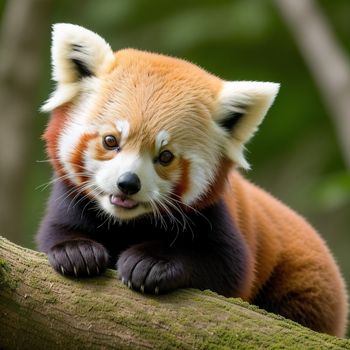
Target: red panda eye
<point x="110" y="143"/>
<point x="165" y="157"/>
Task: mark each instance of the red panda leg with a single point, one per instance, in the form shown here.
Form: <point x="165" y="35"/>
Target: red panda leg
<point x="312" y="295"/>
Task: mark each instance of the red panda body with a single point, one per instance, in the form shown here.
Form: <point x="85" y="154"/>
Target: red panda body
<point x="290" y="263"/>
<point x="144" y="148"/>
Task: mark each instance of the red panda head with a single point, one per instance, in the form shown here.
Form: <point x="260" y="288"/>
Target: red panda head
<point x="142" y="133"/>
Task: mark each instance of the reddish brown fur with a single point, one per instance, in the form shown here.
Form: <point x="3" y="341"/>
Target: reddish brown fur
<point x="288" y="255"/>
<point x="161" y="93"/>
<point x="100" y="152"/>
<point x="218" y="186"/>
<point x="51" y="135"/>
<point x="165" y="172"/>
<point x="183" y="185"/>
<point x="77" y="156"/>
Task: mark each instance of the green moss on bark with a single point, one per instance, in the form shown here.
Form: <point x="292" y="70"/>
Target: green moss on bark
<point x="49" y="311"/>
<point x="6" y="280"/>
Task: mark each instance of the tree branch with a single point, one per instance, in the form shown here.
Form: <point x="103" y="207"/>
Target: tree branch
<point x="40" y="309"/>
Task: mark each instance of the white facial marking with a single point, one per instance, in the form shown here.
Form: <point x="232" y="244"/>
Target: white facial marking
<point x="162" y="139"/>
<point x="77" y="125"/>
<point x="107" y="175"/>
<point x="202" y="173"/>
<point x="123" y="127"/>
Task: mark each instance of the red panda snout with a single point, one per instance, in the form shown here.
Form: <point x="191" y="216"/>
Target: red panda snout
<point x="129" y="183"/>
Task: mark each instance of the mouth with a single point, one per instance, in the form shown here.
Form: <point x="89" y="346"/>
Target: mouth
<point x="123" y="201"/>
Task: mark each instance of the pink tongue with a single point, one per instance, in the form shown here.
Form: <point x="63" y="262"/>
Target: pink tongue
<point x="123" y="201"/>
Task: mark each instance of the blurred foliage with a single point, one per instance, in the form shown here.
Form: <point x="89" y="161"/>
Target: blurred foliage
<point x="295" y="155"/>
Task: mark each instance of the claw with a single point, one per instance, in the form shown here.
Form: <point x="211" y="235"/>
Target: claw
<point x="62" y="269"/>
<point x="87" y="270"/>
<point x="129" y="285"/>
<point x="142" y="289"/>
<point x="98" y="270"/>
<point x="156" y="290"/>
<point x="75" y="271"/>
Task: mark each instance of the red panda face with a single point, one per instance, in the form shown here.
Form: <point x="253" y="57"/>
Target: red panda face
<point x="141" y="133"/>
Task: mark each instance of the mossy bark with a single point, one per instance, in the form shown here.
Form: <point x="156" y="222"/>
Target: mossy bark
<point x="40" y="309"/>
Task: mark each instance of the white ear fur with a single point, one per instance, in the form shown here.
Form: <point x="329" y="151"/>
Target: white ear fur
<point x="242" y="106"/>
<point x="76" y="53"/>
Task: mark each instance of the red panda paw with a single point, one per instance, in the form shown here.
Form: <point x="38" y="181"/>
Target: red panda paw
<point x="148" y="269"/>
<point x="79" y="258"/>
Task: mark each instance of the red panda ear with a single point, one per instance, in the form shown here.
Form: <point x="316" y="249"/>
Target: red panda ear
<point x="241" y="108"/>
<point x="76" y="53"/>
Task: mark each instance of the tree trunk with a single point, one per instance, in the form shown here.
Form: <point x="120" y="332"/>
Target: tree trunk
<point x="40" y="309"/>
<point x="24" y="26"/>
<point x="327" y="62"/>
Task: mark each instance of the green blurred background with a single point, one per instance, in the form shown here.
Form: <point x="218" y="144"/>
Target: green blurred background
<point x="296" y="155"/>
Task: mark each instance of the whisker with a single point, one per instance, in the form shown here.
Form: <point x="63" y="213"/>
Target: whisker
<point x="157" y="213"/>
<point x="60" y="178"/>
<point x="169" y="206"/>
<point x="78" y="189"/>
<point x="187" y="221"/>
<point x="168" y="212"/>
<point x="81" y="190"/>
<point x="43" y="160"/>
<point x="192" y="208"/>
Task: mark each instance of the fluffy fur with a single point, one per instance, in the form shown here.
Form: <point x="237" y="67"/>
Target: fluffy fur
<point x="144" y="149"/>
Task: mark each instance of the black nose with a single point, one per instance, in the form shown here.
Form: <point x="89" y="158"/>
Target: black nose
<point x="129" y="183"/>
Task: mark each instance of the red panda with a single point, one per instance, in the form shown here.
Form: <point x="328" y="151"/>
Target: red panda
<point x="145" y="150"/>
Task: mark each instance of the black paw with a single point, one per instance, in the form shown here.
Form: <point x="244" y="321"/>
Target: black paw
<point x="148" y="269"/>
<point x="79" y="258"/>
